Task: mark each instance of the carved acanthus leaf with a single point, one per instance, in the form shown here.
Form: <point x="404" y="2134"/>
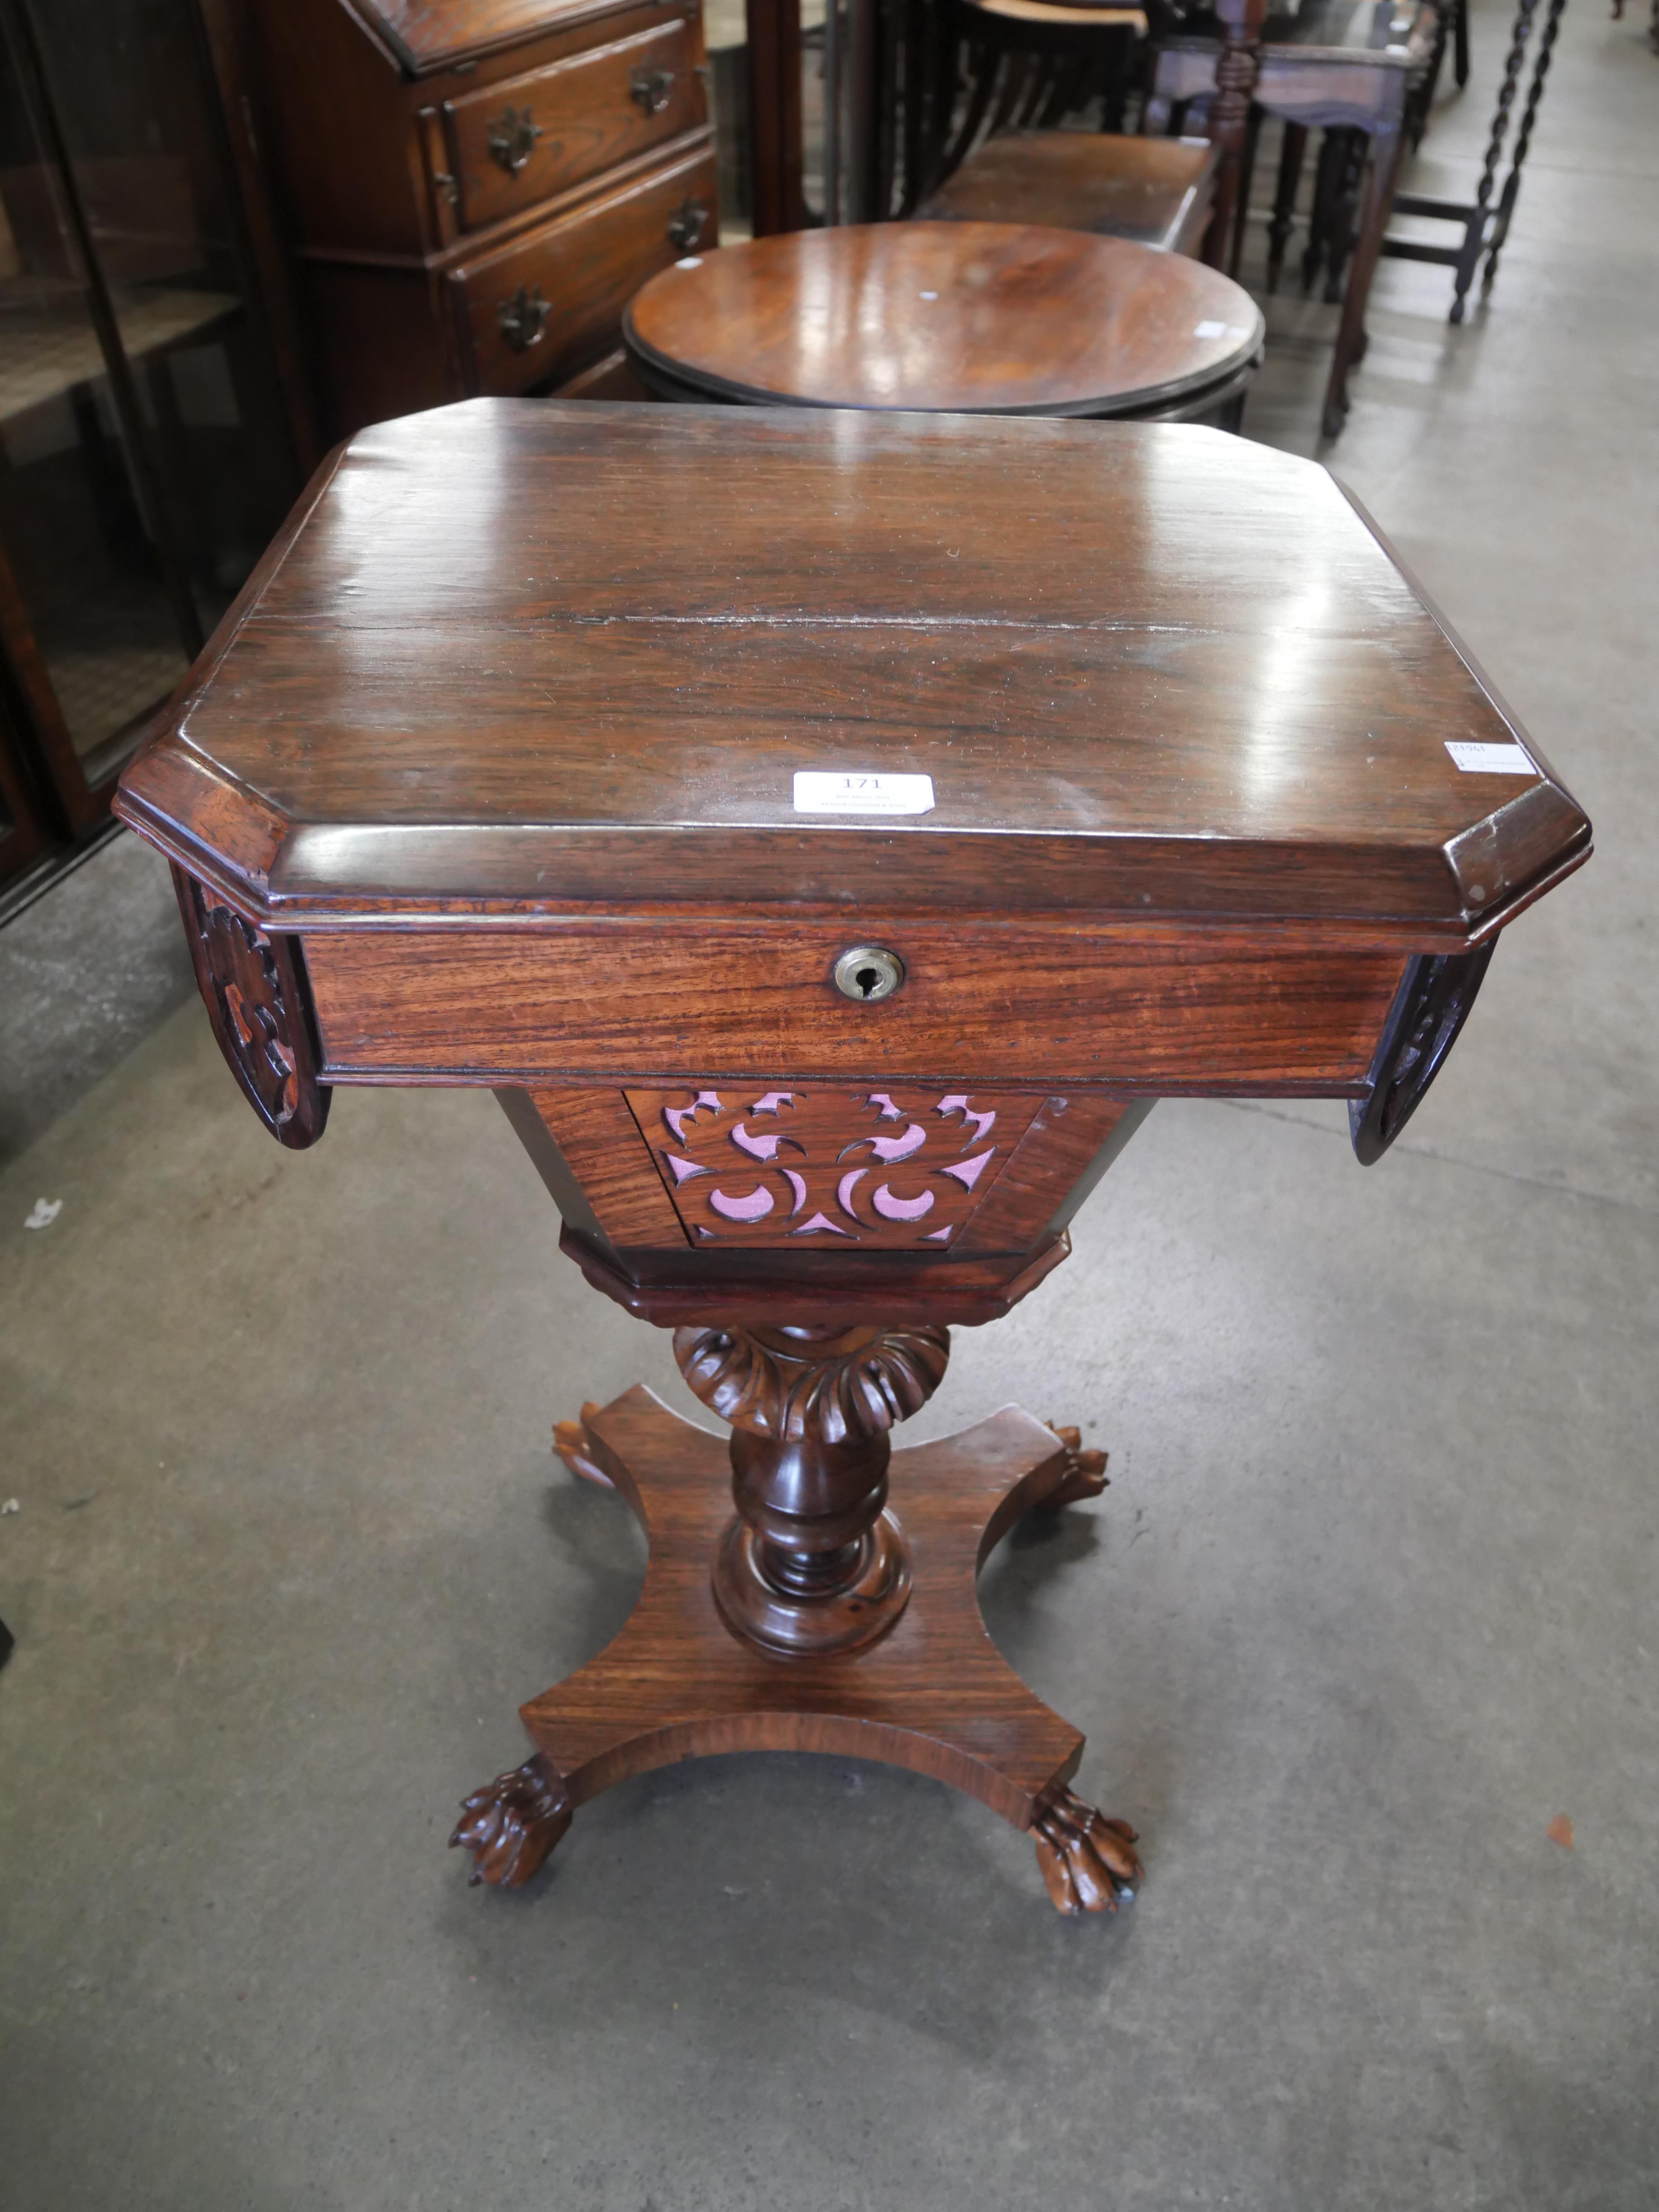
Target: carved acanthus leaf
<point x="833" y="1386"/>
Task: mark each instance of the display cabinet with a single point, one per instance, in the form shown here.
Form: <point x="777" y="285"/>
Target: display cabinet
<point x="146" y="451"/>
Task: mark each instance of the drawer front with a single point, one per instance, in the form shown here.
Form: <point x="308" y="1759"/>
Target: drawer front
<point x="529" y="138"/>
<point x="551" y="302"/>
<point x="1031" y="1008"/>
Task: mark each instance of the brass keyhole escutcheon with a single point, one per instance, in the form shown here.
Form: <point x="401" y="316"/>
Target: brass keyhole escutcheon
<point x="868" y="972"/>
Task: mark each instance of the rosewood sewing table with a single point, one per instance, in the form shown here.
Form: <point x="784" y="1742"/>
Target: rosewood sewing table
<point x="826" y="833"/>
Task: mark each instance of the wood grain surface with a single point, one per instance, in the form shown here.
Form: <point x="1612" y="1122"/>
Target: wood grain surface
<point x="974" y="317"/>
<point x="622" y="1228"/>
<point x="417" y="144"/>
<point x="1057" y="1163"/>
<point x="427" y="35"/>
<point x="581" y="268"/>
<point x="1153" y="191"/>
<point x="518" y="657"/>
<point x="487" y="778"/>
<point x="600" y="1146"/>
<point x="934" y="1695"/>
<point x="609" y="379"/>
<point x="1123" y="1010"/>
<point x="590" y="113"/>
<point x="684" y="1288"/>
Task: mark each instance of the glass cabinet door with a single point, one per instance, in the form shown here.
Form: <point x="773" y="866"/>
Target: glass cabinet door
<point x="823" y="108"/>
<point x="144" y="459"/>
<point x="21" y="838"/>
<point x="766" y="91"/>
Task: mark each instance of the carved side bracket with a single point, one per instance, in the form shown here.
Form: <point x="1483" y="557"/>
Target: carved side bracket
<point x="1432" y="1006"/>
<point x="254" y="988"/>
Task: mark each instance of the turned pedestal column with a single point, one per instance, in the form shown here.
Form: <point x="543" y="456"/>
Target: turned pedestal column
<point x="814" y="1560"/>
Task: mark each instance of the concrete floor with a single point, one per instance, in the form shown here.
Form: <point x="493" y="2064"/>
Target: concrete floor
<point x="1371" y="1601"/>
<point x="87" y="970"/>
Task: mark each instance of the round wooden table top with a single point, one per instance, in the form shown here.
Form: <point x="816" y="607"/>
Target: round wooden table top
<point x="975" y="318"/>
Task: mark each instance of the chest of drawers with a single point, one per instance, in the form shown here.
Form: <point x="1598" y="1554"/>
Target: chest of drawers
<point x="474" y="189"/>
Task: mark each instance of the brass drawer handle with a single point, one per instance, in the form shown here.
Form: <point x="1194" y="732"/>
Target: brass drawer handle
<point x="685" y="224"/>
<point x="523" y="318"/>
<point x="651" y="89"/>
<point x="513" y="138"/>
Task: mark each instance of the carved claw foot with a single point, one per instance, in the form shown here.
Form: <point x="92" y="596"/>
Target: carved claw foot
<point x="1084" y="1475"/>
<point x="512" y="1825"/>
<point x="1088" y="1862"/>
<point x="572" y="1443"/>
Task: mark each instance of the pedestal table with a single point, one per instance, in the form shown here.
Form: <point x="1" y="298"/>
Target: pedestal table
<point x="827" y="833"/>
<point x="983" y="318"/>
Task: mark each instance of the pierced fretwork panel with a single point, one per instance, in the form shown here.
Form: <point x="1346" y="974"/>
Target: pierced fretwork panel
<point x="821" y="1168"/>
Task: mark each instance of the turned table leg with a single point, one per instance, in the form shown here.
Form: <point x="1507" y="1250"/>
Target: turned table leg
<point x="1386" y="144"/>
<point x="1237" y="67"/>
<point x="813" y="1561"/>
<point x="1291" y="155"/>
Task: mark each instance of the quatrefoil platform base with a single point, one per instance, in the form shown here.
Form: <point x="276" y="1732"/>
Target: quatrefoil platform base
<point x="931" y="1692"/>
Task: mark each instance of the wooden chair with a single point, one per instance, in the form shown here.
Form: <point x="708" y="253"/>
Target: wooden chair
<point x="1453" y="32"/>
<point x="1033" y="62"/>
<point x="1023" y="66"/>
<point x="1485" y="227"/>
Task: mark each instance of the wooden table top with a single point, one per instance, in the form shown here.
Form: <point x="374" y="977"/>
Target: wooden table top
<point x="1090" y="15"/>
<point x="980" y="318"/>
<point x="1395" y="34"/>
<point x="517" y="660"/>
<point x="1153" y="190"/>
<point x="431" y="35"/>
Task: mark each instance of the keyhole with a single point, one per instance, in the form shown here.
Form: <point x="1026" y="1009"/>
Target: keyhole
<point x="868" y="972"/>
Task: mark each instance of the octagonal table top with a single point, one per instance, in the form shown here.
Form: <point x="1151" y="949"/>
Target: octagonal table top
<point x="514" y="659"/>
